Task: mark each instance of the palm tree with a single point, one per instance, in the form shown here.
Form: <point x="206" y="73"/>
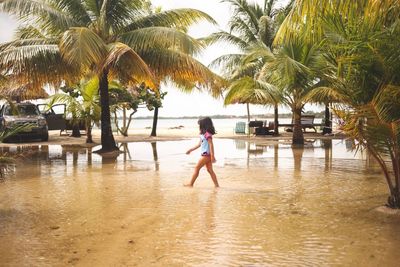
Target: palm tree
<point x="364" y="80"/>
<point x="118" y="39"/>
<point x="81" y="105"/>
<point x="294" y="69"/>
<point x="249" y="25"/>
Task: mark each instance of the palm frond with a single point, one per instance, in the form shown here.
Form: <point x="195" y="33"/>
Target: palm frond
<point x="129" y="64"/>
<point x="28" y="32"/>
<point x="224" y="37"/>
<point x="82" y="47"/>
<point x="115" y="14"/>
<point x="249" y="90"/>
<point x="7" y="133"/>
<point x="243" y="29"/>
<point x="177" y="18"/>
<point x="181" y="68"/>
<point x="387" y="103"/>
<point x="28" y="42"/>
<point x="327" y="95"/>
<point x="309" y="15"/>
<point x="41" y="12"/>
<point x="35" y="64"/>
<point x="250" y="13"/>
<point x="77" y="10"/>
<point x="149" y="38"/>
<point x="258" y="51"/>
<point x="90" y="89"/>
<point x="229" y="63"/>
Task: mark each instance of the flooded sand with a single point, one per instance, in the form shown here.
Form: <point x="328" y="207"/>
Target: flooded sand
<point x="277" y="206"/>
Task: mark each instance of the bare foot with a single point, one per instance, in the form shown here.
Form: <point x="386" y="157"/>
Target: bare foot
<point x="188" y="185"/>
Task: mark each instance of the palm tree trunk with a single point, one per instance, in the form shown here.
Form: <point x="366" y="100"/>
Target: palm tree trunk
<point x="107" y="139"/>
<point x="276" y="120"/>
<point x="298" y="137"/>
<point x="124" y="128"/>
<point x="327" y="116"/>
<point x="155" y="120"/>
<point x="75" y="130"/>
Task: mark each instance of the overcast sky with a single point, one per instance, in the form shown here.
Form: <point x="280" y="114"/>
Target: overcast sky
<point x="177" y="103"/>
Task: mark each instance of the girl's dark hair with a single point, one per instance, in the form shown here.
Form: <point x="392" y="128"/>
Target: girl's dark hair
<point x="206" y="125"/>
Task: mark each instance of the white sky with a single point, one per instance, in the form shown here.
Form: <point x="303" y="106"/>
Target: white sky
<point x="177" y="103"/>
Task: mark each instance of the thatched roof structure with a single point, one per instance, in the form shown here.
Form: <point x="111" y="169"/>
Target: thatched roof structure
<point x="21" y="92"/>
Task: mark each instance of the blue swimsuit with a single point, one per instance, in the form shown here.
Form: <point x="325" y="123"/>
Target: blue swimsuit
<point x="205" y="147"/>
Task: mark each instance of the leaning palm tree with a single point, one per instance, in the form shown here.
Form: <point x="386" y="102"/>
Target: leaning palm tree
<point x="364" y="77"/>
<point x="115" y="39"/>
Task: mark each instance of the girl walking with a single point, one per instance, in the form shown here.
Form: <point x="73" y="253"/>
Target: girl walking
<point x="207" y="151"/>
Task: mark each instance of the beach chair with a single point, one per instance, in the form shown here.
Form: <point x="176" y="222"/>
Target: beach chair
<point x="240" y="128"/>
<point x="307" y="121"/>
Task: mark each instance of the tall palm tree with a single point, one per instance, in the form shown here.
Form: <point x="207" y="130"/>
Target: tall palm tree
<point x="249" y="24"/>
<point x="108" y="38"/>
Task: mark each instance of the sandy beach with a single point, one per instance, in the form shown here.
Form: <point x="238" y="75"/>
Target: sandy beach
<point x="165" y="134"/>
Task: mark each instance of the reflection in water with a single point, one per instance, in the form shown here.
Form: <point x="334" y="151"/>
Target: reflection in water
<point x="327" y="145"/>
<point x="155" y="156"/>
<point x="276" y="155"/>
<point x="124" y="148"/>
<point x="277" y="206"/>
<point x="240" y="144"/>
<point x="297" y="157"/>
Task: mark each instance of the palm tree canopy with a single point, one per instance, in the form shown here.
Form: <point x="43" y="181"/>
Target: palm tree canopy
<point x="249" y="90"/>
<point x="251" y="25"/>
<point x="307" y="16"/>
<point x="66" y="38"/>
<point x="293" y="68"/>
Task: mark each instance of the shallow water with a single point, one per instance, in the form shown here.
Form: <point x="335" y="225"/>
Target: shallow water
<point x="277" y="206"/>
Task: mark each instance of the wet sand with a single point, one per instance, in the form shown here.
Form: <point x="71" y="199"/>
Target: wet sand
<point x="277" y="206"/>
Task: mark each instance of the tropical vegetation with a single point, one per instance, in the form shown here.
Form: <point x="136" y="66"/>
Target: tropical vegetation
<point x="250" y="26"/>
<point x="62" y="40"/>
<point x="124" y="100"/>
<point x="82" y="105"/>
<point x="340" y="52"/>
<point x="361" y="72"/>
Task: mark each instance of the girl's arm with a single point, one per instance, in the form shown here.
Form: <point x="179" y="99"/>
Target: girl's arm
<point x="211" y="144"/>
<point x="194" y="148"/>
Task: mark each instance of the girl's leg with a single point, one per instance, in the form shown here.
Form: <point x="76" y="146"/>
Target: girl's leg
<point x="212" y="173"/>
<point x="200" y="164"/>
